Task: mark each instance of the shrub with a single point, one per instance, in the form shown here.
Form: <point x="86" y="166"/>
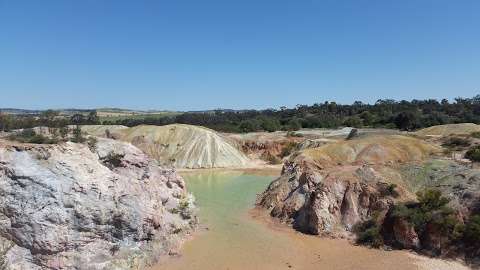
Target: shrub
<point x="108" y="134"/>
<point x="92" y="143"/>
<point x="473" y="153"/>
<point x="272" y="159"/>
<point x="389" y="190"/>
<point x="294" y="124"/>
<point x="294" y="134"/>
<point x="113" y="160"/>
<point x="63" y="132"/>
<point x="455" y="142"/>
<point x="77" y="135"/>
<point x="29" y="135"/>
<point x="475" y="134"/>
<point x="353" y="121"/>
<point x="472" y="231"/>
<point x="288" y="149"/>
<point x="431" y="209"/>
<point x="368" y="233"/>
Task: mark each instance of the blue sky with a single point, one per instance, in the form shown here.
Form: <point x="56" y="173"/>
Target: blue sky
<point x="191" y="54"/>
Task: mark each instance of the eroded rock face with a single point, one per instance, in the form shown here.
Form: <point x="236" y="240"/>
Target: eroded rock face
<point x="329" y="189"/>
<point x="184" y="146"/>
<point x="70" y="207"/>
<point x="321" y="202"/>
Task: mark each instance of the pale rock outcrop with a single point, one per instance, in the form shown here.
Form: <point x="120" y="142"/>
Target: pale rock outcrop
<point x="70" y="207"/>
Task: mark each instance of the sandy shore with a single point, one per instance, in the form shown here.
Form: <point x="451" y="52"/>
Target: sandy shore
<point x="399" y="259"/>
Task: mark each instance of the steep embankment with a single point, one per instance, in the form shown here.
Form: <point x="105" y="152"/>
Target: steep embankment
<point x="70" y="207"/>
<point x="185" y="146"/>
<point x="327" y="190"/>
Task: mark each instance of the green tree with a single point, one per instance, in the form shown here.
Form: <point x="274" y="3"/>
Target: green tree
<point x="5" y="121"/>
<point x="77" y="119"/>
<point x="353" y="121"/>
<point x="368" y="118"/>
<point x="294" y="124"/>
<point x="92" y="118"/>
<point x="250" y="125"/>
<point x="269" y="124"/>
<point x="48" y="117"/>
<point x="77" y="135"/>
<point x="407" y="120"/>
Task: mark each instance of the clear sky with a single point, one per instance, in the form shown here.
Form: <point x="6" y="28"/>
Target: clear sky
<point x="205" y="54"/>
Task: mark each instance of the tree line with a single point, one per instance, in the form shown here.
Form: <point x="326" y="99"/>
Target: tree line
<point x="48" y="118"/>
<point x="385" y="113"/>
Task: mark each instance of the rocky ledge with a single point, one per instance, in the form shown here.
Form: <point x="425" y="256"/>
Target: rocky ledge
<point x="70" y="206"/>
<point x="365" y="189"/>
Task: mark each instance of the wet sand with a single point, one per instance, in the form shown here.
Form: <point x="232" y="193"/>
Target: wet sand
<point x="233" y="236"/>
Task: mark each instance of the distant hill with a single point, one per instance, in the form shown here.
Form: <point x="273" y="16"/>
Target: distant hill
<point x="100" y="111"/>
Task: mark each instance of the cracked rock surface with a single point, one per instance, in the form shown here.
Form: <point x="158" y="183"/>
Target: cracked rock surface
<point x="68" y="206"/>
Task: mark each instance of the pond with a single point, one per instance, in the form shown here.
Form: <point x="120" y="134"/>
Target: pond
<point x="233" y="236"/>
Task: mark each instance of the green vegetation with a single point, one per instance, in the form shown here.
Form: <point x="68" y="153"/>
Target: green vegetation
<point x="92" y="143"/>
<point x="113" y="160"/>
<point x="28" y="135"/>
<point x="475" y="135"/>
<point x="430" y="215"/>
<point x="405" y="115"/>
<point x="385" y="113"/>
<point x="471" y="232"/>
<point x="368" y="233"/>
<point x="456" y="142"/>
<point x="389" y="190"/>
<point x="431" y="209"/>
<point x="473" y="153"/>
<point x="288" y="149"/>
<point x="294" y="134"/>
<point x="77" y="135"/>
<point x="271" y="159"/>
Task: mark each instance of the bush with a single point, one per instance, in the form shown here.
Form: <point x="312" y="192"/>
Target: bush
<point x="272" y="159"/>
<point x="472" y="231"/>
<point x="77" y="135"/>
<point x="269" y="124"/>
<point x="288" y="149"/>
<point x="249" y="125"/>
<point x="473" y="153"/>
<point x="294" y="125"/>
<point x="353" y="121"/>
<point x="431" y="209"/>
<point x="92" y="143"/>
<point x="475" y="134"/>
<point x="368" y="233"/>
<point x="294" y="134"/>
<point x="29" y="135"/>
<point x="389" y="190"/>
<point x="113" y="160"/>
<point x="455" y="142"/>
<point x="63" y="132"/>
